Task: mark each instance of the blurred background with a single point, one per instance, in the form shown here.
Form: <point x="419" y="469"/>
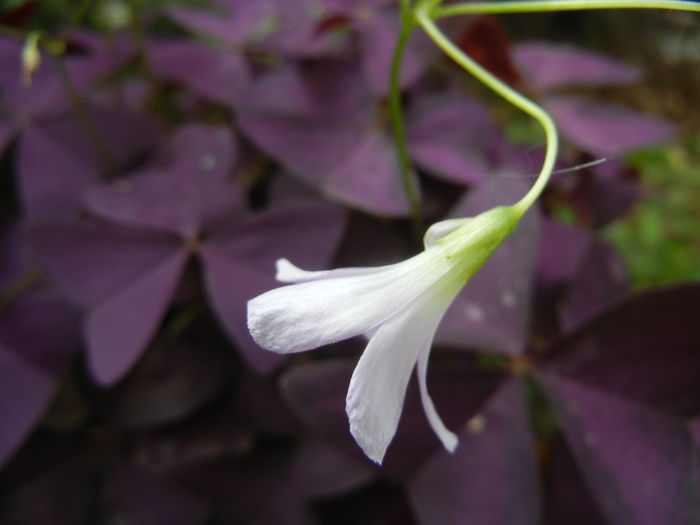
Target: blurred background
<point x="157" y="157"/>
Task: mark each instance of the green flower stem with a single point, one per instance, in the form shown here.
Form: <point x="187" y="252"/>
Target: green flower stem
<point x="424" y="20"/>
<point x="396" y="114"/>
<point x="540" y="6"/>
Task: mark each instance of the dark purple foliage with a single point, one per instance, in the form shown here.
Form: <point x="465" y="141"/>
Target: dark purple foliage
<point x="152" y="178"/>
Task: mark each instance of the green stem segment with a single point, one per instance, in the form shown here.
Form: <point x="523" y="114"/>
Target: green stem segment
<point x="424" y="20"/>
<point x="541" y="6"/>
<point x="396" y="114"/>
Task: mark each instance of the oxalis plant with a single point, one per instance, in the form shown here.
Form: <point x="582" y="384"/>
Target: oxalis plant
<point x="399" y="307"/>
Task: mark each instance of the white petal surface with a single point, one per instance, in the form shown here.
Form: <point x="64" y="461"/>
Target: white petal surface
<point x="378" y="385"/>
<point x="290" y="273"/>
<point x="448" y="438"/>
<point x="311" y="314"/>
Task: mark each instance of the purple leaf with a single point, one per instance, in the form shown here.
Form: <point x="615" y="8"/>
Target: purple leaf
<point x="562" y="248"/>
<point x="637" y="462"/>
<point x="24" y="393"/>
<point x="448" y="136"/>
<point x="317" y="392"/>
<point x="549" y="66"/>
<point x="173" y="380"/>
<point x="47" y="95"/>
<point x="378" y="34"/>
<point x="297" y="33"/>
<point x="494" y="308"/>
<point x="605" y="193"/>
<point x="605" y="130"/>
<point x="327" y="89"/>
<point x="644" y="349"/>
<point x="119" y="328"/>
<point x="353" y="163"/>
<point x="229" y="285"/>
<point x="491" y="479"/>
<point x="58" y="161"/>
<point x="568" y="498"/>
<point x="92" y="262"/>
<point x="323" y="471"/>
<point x="31" y="361"/>
<point x="186" y="191"/>
<point x="239" y="264"/>
<point x="599" y="280"/>
<point x="215" y="74"/>
<point x="231" y="22"/>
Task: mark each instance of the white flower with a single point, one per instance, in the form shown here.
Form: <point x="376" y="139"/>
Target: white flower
<point x="398" y="307"/>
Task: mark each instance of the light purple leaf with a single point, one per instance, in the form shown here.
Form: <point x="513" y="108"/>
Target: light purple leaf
<point x="549" y="66"/>
<point x="231" y="22"/>
<point x="645" y="348"/>
<point x="562" y="248"/>
<point x="239" y="263"/>
<point x="230" y="284"/>
<point x="449" y="135"/>
<point x="296" y="32"/>
<point x="493" y="310"/>
<point x="637" y="462"/>
<point x="215" y="74"/>
<point x="491" y="479"/>
<point x="378" y="34"/>
<point x="185" y="192"/>
<point x="118" y="329"/>
<point x="92" y="262"/>
<point x="355" y="164"/>
<point x="58" y="161"/>
<point x="328" y="89"/>
<point x="605" y="130"/>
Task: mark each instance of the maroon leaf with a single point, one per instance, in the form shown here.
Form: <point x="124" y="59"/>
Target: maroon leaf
<point x="637" y="462"/>
<point x="491" y="479"/>
<point x="645" y="349"/>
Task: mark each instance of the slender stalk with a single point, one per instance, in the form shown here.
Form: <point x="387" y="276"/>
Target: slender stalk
<point x="396" y="114"/>
<point x="510" y="95"/>
<point x="541" y="6"/>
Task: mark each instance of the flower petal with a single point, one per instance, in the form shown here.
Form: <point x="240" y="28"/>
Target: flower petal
<point x="448" y="438"/>
<point x="378" y="385"/>
<point x="311" y="314"/>
<point x="290" y="273"/>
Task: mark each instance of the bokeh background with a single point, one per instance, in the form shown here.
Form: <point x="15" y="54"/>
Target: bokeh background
<point x="163" y="155"/>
